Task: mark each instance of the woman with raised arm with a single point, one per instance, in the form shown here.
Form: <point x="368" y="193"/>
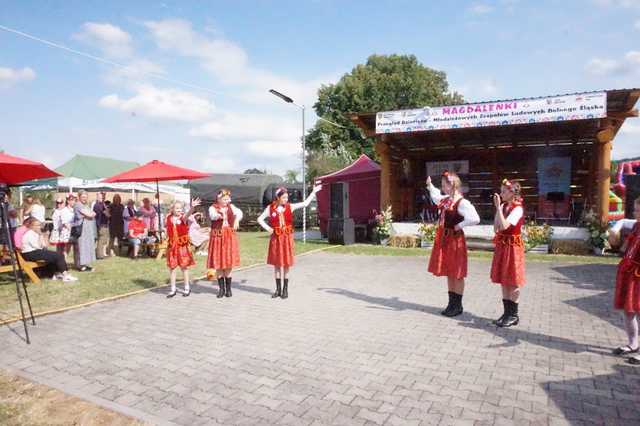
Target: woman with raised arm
<point x="449" y="253"/>
<point x="281" y="245"/>
<point x="224" y="254"/>
<point x="507" y="268"/>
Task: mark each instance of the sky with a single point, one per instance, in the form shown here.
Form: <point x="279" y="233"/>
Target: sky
<point x="192" y="88"/>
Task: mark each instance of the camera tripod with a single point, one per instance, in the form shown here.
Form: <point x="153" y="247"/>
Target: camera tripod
<point x="5" y="236"/>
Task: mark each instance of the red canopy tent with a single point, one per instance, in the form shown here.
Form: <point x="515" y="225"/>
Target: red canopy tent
<point x="156" y="171"/>
<point x="363" y="179"/>
<point x="16" y="170"/>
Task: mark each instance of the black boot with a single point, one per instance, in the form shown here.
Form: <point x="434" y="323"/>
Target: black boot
<point x="285" y="288"/>
<point x="456" y="308"/>
<point x="449" y="305"/>
<point x="220" y="287"/>
<point x="227" y="281"/>
<point x="511" y="318"/>
<point x="504" y="314"/>
<point x="278" y="289"/>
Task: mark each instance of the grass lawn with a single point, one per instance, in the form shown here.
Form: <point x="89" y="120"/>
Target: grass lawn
<point x="26" y="403"/>
<point x="120" y="275"/>
<point x="371" y="250"/>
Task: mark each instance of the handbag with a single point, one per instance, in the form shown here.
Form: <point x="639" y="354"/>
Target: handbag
<point x="76" y="231"/>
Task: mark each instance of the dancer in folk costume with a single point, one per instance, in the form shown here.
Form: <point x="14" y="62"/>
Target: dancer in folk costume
<point x="178" y="248"/>
<point x="507" y="268"/>
<point x="281" y="245"/>
<point x="224" y="254"/>
<point x="627" y="295"/>
<point x="449" y="253"/>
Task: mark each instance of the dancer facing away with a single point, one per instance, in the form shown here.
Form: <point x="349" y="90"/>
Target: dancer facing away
<point x="178" y="250"/>
<point x="449" y="253"/>
<point x="281" y="245"/>
<point x="507" y="268"/>
<point x="627" y="295"/>
<point x="224" y="254"/>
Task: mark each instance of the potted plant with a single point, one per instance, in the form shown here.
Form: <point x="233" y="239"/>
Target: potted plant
<point x="382" y="226"/>
<point x="427" y="234"/>
<point x="598" y="233"/>
<point x="537" y="237"/>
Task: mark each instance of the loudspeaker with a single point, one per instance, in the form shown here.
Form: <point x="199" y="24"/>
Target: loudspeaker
<point x="341" y="231"/>
<point x="632" y="191"/>
<point x="339" y="200"/>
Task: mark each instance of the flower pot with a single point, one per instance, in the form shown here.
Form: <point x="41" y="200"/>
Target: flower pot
<point x="540" y="249"/>
<point x="426" y="244"/>
<point x="598" y="251"/>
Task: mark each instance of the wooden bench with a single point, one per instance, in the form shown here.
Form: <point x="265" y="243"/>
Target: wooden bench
<point x="26" y="266"/>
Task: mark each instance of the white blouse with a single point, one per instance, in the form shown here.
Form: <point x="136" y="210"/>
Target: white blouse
<point x="37" y="212"/>
<point x="465" y="208"/>
<point x="294" y="206"/>
<point x="31" y="241"/>
<point x="215" y="215"/>
<point x="61" y="217"/>
<point x="515" y="215"/>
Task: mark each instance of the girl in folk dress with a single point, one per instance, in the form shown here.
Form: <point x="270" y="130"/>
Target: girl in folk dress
<point x="224" y="254"/>
<point x="281" y="245"/>
<point x="507" y="268"/>
<point x="449" y="253"/>
<point x="627" y="295"/>
<point x="178" y="249"/>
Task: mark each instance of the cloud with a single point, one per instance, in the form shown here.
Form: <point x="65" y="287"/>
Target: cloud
<point x="153" y="102"/>
<point x="480" y="8"/>
<point x="137" y="70"/>
<point x="112" y="40"/>
<point x="9" y="76"/>
<point x="231" y="126"/>
<point x="271" y="149"/>
<point x="627" y="4"/>
<point x="636" y="24"/>
<point x="228" y="62"/>
<point x="219" y="164"/>
<point x="478" y="90"/>
<point x="608" y="67"/>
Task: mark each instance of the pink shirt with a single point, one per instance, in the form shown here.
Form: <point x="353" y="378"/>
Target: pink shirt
<point x="17" y="237"/>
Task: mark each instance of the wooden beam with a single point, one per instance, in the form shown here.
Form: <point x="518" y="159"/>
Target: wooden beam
<point x="606" y="135"/>
<point x="621" y="115"/>
<point x="383" y="151"/>
<point x="604" y="180"/>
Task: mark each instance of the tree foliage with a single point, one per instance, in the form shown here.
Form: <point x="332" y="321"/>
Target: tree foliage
<point x="383" y="83"/>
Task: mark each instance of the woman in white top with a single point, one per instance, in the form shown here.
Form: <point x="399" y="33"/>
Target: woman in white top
<point x="281" y="245"/>
<point x="449" y="253"/>
<point x="224" y="253"/>
<point x="62" y="218"/>
<point x="37" y="210"/>
<point x="33" y="250"/>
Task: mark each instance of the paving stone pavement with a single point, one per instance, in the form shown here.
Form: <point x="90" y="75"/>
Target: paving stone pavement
<point x="359" y="341"/>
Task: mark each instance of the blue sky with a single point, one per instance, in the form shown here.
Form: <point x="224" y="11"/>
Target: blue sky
<point x="54" y="104"/>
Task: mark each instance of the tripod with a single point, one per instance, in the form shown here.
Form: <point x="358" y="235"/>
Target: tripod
<point x="5" y="235"/>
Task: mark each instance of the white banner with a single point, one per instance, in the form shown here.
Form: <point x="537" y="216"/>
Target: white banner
<point x="581" y="106"/>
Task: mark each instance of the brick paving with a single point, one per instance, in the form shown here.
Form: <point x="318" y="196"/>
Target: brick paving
<point x="359" y="341"/>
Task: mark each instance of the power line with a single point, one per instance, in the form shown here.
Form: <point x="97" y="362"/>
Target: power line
<point x="106" y="61"/>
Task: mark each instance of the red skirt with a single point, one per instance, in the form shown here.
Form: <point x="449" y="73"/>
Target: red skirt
<point x="627" y="295"/>
<point x="223" y="249"/>
<point x="281" y="250"/>
<point x="507" y="267"/>
<point x="179" y="256"/>
<point x="449" y="255"/>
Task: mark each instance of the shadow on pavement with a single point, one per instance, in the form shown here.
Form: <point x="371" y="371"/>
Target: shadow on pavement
<point x="512" y="337"/>
<point x="604" y="399"/>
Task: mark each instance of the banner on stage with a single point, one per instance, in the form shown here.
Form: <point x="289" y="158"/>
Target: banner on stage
<point x="580" y="106"/>
<point x="554" y="175"/>
<point x="436" y="168"/>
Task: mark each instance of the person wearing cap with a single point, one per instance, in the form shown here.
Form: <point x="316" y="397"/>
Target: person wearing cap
<point x="281" y="245"/>
<point x="224" y="254"/>
<point x="449" y="253"/>
<point x="62" y="219"/>
<point x="507" y="267"/>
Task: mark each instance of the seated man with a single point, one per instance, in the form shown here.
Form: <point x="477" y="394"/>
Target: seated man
<point x="34" y="248"/>
<point x="138" y="233"/>
<point x="198" y="235"/>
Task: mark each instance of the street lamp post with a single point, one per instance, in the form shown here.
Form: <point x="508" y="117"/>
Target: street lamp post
<point x="288" y="100"/>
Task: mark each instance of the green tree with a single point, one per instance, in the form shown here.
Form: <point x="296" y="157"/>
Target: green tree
<point x="291" y="176"/>
<point x="383" y="83"/>
<point x="254" y="171"/>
